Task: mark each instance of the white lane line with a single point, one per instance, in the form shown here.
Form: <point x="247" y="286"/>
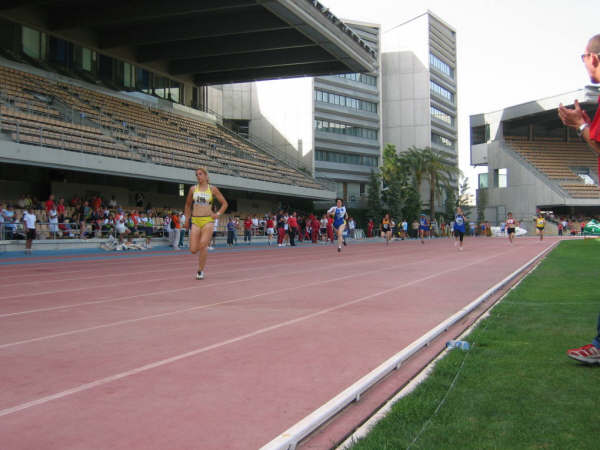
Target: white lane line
<point x="128" y="283"/>
<point x="234" y="300"/>
<point x="163" y="362"/>
<point x="195" y="286"/>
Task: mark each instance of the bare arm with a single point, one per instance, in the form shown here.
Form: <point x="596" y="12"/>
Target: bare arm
<point x="217" y="193"/>
<point x="188" y="207"/>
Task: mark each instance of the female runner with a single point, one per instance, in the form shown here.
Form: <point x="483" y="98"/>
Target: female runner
<point x="459" y="228"/>
<point x="511" y="225"/>
<point x="198" y="210"/>
<point x="386" y="228"/>
<point x="339" y="215"/>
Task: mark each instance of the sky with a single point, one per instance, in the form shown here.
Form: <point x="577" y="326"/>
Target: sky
<point x="508" y="52"/>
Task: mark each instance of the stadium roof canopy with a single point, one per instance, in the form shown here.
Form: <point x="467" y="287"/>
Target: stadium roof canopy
<point x="205" y="41"/>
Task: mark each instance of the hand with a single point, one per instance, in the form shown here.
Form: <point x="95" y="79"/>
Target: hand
<point x="573" y="118"/>
<point x="214" y="215"/>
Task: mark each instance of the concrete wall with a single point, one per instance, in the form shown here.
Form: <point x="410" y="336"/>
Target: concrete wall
<point x="282" y="116"/>
<point x="405" y="85"/>
<point x="526" y="189"/>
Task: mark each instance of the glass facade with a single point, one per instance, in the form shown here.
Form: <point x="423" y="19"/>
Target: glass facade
<point x="360" y="77"/>
<point x="441" y="66"/>
<point x="346" y="158"/>
<point x="442" y="140"/>
<point x="441" y="91"/>
<point x="342" y="100"/>
<point x="37" y="45"/>
<point x="441" y="115"/>
<point x="329" y="126"/>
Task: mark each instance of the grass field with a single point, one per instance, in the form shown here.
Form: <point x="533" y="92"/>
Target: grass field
<point x="515" y="388"/>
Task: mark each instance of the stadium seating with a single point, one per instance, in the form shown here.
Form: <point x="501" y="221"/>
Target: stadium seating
<point x="558" y="160"/>
<point x="38" y="111"/>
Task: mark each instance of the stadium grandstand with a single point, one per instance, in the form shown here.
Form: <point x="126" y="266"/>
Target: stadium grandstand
<point x="534" y="162"/>
<point x="113" y="98"/>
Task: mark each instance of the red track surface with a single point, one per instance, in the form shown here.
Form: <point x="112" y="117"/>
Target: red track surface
<point x="135" y="353"/>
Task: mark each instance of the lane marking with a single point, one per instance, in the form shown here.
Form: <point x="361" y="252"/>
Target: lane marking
<point x="163" y="362"/>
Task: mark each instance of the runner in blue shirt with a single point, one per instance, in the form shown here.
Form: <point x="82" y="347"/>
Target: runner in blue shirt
<point x="339" y="215"/>
<point x="459" y="228"/>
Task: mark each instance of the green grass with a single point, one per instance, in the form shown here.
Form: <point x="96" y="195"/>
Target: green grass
<point x="516" y="387"/>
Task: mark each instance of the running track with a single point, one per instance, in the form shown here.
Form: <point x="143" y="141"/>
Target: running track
<point x="121" y="353"/>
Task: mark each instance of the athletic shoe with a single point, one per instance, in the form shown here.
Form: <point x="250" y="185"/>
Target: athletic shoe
<point x="339" y="249"/>
<point x="200" y="276"/>
<point x="589" y="354"/>
<point x="344" y="242"/>
<point x="278" y="245"/>
<point x="211" y="248"/>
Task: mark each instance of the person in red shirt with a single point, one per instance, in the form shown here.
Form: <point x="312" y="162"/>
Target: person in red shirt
<point x="50" y="203"/>
<point x="330" y="228"/>
<point x="60" y="209"/>
<point x="589" y="130"/>
<point x="176" y="227"/>
<point x="248" y="229"/>
<point x="292" y="228"/>
<point x="314" y="229"/>
<point x="270" y="226"/>
<point x="370" y="227"/>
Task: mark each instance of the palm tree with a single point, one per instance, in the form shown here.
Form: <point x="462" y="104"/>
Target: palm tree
<point x="439" y="172"/>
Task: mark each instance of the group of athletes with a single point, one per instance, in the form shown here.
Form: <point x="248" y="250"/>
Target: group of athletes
<point x="200" y="218"/>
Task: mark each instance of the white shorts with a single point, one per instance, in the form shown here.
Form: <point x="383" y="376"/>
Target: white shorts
<point x="270" y="231"/>
<point x="120" y="229"/>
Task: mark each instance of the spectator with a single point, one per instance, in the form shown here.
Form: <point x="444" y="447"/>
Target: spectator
<point x="27" y="202"/>
<point x="314" y="229"/>
<point x="230" y="232"/>
<point x="248" y="230"/>
<point x="270" y="225"/>
<point x="29" y="220"/>
<point x="21" y="201"/>
<point x="589" y="130"/>
<point x="213" y="241"/>
<point x="182" y="223"/>
<point x="112" y="203"/>
<point x="53" y="220"/>
<point x="50" y="203"/>
<point x="9" y="222"/>
<point x="351" y="227"/>
<point x="370" y="227"/>
<point x="404" y="229"/>
<point x="280" y="228"/>
<point x="60" y="209"/>
<point x="292" y="224"/>
<point x="176" y="229"/>
<point x="254" y="225"/>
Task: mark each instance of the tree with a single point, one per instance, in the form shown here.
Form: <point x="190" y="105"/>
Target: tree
<point x="464" y="198"/>
<point x="481" y="204"/>
<point x="396" y="179"/>
<point x="374" y="204"/>
<point x="439" y="173"/>
<point x="451" y="203"/>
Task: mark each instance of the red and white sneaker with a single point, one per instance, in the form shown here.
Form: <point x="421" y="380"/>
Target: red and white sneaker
<point x="589" y="354"/>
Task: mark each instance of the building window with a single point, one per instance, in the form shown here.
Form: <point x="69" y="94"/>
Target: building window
<point x="483" y="181"/>
<point x="342" y="128"/>
<point x="363" y="78"/>
<point x="442" y="116"/>
<point x="441" y="91"/>
<point x="441" y="66"/>
<point x="342" y="100"/>
<point x="346" y="158"/>
<point x="480" y="135"/>
<point x="31" y="41"/>
<point x="181" y="189"/>
<point x="500" y="178"/>
<point x="442" y="140"/>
